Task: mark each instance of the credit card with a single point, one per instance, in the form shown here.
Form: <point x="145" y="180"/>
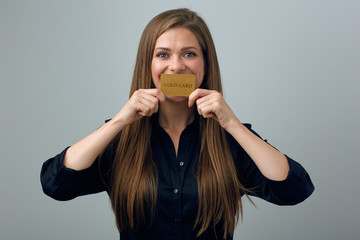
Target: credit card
<point x="177" y="84"/>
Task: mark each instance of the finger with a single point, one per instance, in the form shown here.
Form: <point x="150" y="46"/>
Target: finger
<point x="160" y="95"/>
<point x="208" y="111"/>
<point x="153" y="99"/>
<point x="204" y="99"/>
<point x="152" y="91"/>
<point x="202" y="104"/>
<point x="156" y="93"/>
<point x="152" y="95"/>
<point x="144" y="110"/>
<point x="193" y="97"/>
<point x="141" y="99"/>
<point x="150" y="102"/>
<point x="197" y="94"/>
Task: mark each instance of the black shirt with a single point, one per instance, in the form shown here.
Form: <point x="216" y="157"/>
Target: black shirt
<point x="177" y="203"/>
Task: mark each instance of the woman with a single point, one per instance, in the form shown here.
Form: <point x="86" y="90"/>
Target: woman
<point x="174" y="166"/>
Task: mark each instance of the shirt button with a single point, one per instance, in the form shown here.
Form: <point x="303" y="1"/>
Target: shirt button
<point x="181" y="164"/>
<point x="174" y="222"/>
<point x="176" y="190"/>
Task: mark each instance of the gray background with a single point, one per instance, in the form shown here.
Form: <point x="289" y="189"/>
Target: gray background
<point x="291" y="68"/>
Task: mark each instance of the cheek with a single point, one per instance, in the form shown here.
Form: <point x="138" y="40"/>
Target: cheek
<point x="199" y="81"/>
<point x="199" y="76"/>
<point x="157" y="66"/>
<point x="156" y="70"/>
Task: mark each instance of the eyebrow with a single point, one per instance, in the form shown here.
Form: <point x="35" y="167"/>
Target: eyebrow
<point x="182" y="49"/>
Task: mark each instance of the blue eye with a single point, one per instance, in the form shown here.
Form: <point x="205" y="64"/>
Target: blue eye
<point x="189" y="54"/>
<point x="162" y="55"/>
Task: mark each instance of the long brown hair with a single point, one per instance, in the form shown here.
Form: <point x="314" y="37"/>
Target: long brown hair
<point x="134" y="180"/>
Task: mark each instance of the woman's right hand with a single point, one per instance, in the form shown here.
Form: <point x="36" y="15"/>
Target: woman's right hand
<point x="143" y="102"/>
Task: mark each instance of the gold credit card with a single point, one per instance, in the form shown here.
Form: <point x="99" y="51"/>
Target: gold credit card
<point x="177" y="84"/>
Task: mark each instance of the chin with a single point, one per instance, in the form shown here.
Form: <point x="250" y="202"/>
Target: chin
<point x="177" y="99"/>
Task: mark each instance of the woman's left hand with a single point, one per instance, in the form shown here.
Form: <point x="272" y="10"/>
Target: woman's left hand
<point x="211" y="104"/>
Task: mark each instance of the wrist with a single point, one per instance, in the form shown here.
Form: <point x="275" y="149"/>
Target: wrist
<point x="235" y="126"/>
<point x="118" y="123"/>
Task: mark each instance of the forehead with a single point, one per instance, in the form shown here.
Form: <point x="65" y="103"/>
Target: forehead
<point x="177" y="36"/>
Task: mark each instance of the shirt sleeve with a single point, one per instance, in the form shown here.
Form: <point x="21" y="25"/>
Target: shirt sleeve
<point x="62" y="183"/>
<point x="294" y="189"/>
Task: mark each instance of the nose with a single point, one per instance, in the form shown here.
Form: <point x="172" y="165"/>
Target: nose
<point x="176" y="65"/>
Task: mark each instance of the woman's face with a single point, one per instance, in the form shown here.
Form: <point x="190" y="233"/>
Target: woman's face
<point x="177" y="51"/>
